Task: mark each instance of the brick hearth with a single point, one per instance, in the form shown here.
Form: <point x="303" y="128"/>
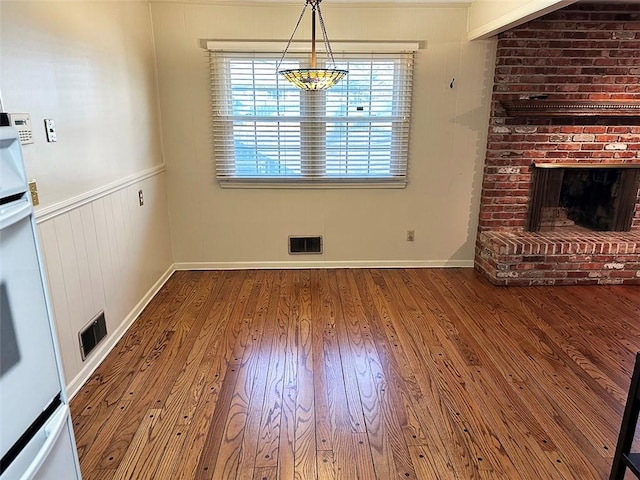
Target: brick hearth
<point x="554" y="258"/>
<point x="583" y="52"/>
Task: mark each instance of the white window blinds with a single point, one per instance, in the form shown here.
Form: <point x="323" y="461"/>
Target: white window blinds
<point x="267" y="131"/>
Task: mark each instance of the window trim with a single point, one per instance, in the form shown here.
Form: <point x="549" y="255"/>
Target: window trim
<point x="309" y="184"/>
<point x="303" y="46"/>
<point x="339" y="48"/>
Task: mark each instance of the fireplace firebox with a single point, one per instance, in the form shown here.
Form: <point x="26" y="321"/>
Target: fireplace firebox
<point x="583" y="197"/>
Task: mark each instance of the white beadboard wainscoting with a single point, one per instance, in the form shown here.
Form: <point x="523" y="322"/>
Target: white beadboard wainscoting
<point x="103" y="251"/>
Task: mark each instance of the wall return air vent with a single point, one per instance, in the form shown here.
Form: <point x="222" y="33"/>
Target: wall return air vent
<point x="305" y="245"/>
<point x="91" y="335"/>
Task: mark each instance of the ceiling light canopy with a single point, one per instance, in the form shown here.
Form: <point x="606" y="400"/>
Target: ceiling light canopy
<point x="313" y="78"/>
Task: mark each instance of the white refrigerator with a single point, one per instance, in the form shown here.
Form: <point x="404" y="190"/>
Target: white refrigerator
<point x="36" y="434"/>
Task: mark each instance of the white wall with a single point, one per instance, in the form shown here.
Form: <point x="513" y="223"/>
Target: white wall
<point x="490" y="17"/>
<point x="90" y="67"/>
<point x="214" y="227"/>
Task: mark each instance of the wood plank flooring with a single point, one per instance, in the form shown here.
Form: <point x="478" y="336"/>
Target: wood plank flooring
<point x="362" y="374"/>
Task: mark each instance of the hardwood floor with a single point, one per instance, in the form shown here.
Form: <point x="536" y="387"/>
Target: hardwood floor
<point x="362" y="374"/>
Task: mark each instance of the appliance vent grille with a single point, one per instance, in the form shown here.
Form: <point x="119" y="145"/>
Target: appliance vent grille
<point x="91" y="335"/>
<point x="304" y="245"/>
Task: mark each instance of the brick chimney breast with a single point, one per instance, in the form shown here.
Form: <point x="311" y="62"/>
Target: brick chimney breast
<point x="586" y="52"/>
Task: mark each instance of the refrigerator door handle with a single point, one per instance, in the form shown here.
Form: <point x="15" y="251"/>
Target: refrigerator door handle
<point x="52" y="429"/>
<point x="13" y="213"/>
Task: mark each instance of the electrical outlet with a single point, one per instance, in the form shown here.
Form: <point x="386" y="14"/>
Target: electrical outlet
<point x="140" y="198"/>
<point x="411" y="235"/>
<point x="33" y="190"/>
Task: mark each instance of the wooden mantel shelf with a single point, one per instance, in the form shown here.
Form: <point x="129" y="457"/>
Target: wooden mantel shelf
<point x="571" y="108"/>
<point x="585" y="165"/>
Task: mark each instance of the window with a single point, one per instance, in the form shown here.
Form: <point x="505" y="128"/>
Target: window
<point x="268" y="131"/>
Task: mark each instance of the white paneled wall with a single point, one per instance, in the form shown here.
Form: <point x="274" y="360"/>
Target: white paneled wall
<point x="110" y="253"/>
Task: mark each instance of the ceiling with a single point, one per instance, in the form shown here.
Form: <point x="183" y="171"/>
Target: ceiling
<point x="301" y="2"/>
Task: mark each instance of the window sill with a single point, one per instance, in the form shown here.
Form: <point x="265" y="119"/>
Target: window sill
<point x="311" y="184"/>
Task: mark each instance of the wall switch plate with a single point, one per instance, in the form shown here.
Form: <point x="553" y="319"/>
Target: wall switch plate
<point x="33" y="190"/>
<point x="50" y="128"/>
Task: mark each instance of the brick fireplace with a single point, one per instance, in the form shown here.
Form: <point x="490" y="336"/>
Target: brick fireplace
<point x="566" y="93"/>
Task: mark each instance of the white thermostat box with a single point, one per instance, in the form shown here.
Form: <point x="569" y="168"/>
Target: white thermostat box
<point x="22" y="123"/>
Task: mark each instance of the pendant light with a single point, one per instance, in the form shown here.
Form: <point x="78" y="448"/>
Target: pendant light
<point x="313" y="78"/>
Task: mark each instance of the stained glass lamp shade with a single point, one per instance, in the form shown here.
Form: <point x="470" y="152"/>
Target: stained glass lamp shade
<point x="313" y="78"/>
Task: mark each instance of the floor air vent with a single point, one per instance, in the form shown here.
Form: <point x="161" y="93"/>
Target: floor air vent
<point x="91" y="335"/>
<point x="298" y="245"/>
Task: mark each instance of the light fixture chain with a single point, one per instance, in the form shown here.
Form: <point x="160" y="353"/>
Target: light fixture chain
<point x="292" y="35"/>
<point x="327" y="45"/>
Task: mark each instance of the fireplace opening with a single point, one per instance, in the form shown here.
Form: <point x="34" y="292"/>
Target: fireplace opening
<point x="583" y="198"/>
<point x="589" y="197"/>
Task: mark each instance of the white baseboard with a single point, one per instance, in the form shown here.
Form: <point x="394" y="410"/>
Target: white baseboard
<point x="103" y="350"/>
<point x="324" y="264"/>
